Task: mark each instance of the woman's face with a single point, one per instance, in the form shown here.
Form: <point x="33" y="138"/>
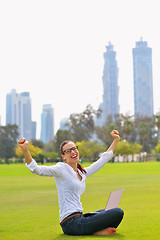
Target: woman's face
<point x="70" y="153"/>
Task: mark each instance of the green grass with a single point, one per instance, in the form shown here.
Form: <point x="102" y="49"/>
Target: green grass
<point x="29" y="204"/>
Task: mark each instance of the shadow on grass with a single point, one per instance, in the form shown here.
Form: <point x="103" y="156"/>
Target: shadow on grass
<point x="63" y="237"/>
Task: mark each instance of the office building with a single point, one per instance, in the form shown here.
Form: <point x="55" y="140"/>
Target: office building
<point x="47" y="123"/>
<point x="34" y="130"/>
<point x="109" y="105"/>
<point x="142" y="77"/>
<point x="64" y="124"/>
<point x="18" y="111"/>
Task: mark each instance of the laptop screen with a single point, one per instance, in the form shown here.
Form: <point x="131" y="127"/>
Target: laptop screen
<point x="114" y="199"/>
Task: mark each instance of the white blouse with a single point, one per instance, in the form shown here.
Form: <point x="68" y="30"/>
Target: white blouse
<point x="68" y="185"/>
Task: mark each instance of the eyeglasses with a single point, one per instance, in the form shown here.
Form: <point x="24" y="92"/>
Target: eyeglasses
<point x="67" y="151"/>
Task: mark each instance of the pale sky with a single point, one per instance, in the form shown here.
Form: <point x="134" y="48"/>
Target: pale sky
<point x="54" y="50"/>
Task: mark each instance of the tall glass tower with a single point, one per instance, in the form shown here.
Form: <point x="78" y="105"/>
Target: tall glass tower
<point x="143" y="83"/>
<point x="18" y="111"/>
<point x="110" y="105"/>
<point x="47" y="123"/>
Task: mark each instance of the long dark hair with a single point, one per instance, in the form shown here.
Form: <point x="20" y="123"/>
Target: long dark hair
<point x="79" y="166"/>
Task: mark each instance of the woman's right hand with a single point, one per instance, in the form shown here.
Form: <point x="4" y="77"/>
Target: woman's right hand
<point x="23" y="143"/>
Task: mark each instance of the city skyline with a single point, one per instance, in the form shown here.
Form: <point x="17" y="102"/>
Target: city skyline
<point x="54" y="50"/>
<point x="109" y="48"/>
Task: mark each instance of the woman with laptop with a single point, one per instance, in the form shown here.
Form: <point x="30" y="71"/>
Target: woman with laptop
<point x="70" y="182"/>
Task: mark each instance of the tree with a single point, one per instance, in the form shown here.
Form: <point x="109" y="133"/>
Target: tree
<point x="157" y="148"/>
<point x="82" y="124"/>
<point x="51" y="155"/>
<point x="145" y="132"/>
<point x="90" y="150"/>
<point x="128" y="129"/>
<point x="8" y="140"/>
<point x="157" y="123"/>
<point x="35" y="151"/>
<point x="103" y="133"/>
<point x="126" y="148"/>
<point x="50" y="146"/>
<point x="123" y="148"/>
<point x="37" y="143"/>
<point x="61" y="136"/>
<point x="135" y="148"/>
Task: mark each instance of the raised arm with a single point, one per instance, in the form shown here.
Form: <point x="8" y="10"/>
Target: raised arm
<point x="106" y="156"/>
<point x="23" y="143"/>
<point x="52" y="171"/>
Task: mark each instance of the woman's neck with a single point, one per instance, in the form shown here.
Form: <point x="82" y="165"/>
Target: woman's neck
<point x="74" y="166"/>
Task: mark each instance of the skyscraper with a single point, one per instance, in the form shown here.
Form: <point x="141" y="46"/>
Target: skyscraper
<point x="47" y="123"/>
<point x="34" y="130"/>
<point x="63" y="124"/>
<point x="18" y="111"/>
<point x="143" y="83"/>
<point x="110" y="105"/>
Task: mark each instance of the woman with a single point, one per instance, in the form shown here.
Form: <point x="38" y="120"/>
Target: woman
<point x="70" y="182"/>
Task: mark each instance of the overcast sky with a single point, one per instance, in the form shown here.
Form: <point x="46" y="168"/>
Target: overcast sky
<point x="54" y="50"/>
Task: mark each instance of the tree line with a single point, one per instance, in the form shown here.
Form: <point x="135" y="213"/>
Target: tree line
<point x="137" y="134"/>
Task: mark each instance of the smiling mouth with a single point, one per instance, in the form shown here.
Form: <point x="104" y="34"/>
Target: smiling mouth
<point x="74" y="156"/>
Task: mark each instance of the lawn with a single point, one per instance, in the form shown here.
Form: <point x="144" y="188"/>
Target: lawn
<point x="29" y="203"/>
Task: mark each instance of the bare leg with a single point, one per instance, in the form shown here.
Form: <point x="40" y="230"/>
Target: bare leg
<point x="106" y="231"/>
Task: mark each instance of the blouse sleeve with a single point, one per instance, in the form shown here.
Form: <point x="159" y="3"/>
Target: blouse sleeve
<point x="106" y="156"/>
<point x="51" y="171"/>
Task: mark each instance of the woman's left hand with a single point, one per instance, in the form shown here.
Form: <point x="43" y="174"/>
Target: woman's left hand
<point x="115" y="134"/>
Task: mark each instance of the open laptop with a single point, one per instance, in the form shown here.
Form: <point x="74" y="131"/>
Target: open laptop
<point x="114" y="199"/>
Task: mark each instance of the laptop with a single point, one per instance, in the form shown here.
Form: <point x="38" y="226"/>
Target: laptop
<point x="114" y="199"/>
